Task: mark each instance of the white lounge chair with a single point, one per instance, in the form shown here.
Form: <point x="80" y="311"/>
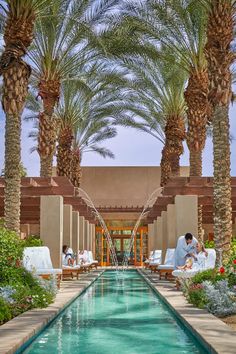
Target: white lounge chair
<point x="168" y="266"/>
<point x="150" y="258"/>
<point x="156" y="260"/>
<point x="38" y="260"/>
<point x="84" y="262"/>
<point x="189" y="273"/>
<point x="68" y="270"/>
<point x="92" y="260"/>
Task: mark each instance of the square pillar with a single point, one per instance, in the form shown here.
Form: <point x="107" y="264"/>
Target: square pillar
<point x="150" y="238"/>
<point x="159" y="234"/>
<point x="186" y="211"/>
<point x="164" y="232"/>
<point x="81" y="233"/>
<point x="75" y="231"/>
<point x="170" y="224"/>
<point x="51" y="226"/>
<point x="93" y="239"/>
<point x="86" y="235"/>
<point x="67" y="225"/>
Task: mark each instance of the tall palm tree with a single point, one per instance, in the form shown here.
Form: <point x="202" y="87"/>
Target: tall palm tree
<point x="92" y="124"/>
<point x="220" y="35"/>
<point x="60" y="44"/>
<point x="180" y="26"/>
<point x="20" y="17"/>
<point x="157" y="107"/>
<point x="68" y="116"/>
<point x="86" y="116"/>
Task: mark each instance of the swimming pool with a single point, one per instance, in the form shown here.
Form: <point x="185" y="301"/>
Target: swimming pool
<point x="116" y="315"/>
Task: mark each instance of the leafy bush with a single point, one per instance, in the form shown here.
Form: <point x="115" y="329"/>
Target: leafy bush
<point x="5" y="312"/>
<point x="209" y="244"/>
<point x="10" y="249"/>
<point x="221" y="300"/>
<point x="197" y="296"/>
<point x="20" y="290"/>
<point x="212" y="275"/>
<point x="32" y="241"/>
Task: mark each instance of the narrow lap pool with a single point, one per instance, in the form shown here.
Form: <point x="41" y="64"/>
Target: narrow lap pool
<point x="116" y="315"/>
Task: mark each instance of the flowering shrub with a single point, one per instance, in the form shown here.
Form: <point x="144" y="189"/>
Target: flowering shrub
<point x="196" y="295"/>
<point x="221" y="300"/>
<point x="213" y="289"/>
<point x="20" y="290"/>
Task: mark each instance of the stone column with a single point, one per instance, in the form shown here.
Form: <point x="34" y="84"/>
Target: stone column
<point x="81" y="233"/>
<point x="159" y="236"/>
<point x="91" y="237"/>
<point x="164" y="232"/>
<point x="150" y="238"/>
<point x="51" y="226"/>
<point x="86" y="235"/>
<point x="186" y="211"/>
<point x="94" y="239"/>
<point x="171" y="229"/>
<point x="75" y="232"/>
<point x="67" y="225"/>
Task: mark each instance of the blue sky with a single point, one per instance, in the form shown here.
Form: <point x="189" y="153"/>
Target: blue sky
<point x="130" y="147"/>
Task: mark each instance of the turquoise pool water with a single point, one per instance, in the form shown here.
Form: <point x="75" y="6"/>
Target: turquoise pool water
<point x="116" y="315"/>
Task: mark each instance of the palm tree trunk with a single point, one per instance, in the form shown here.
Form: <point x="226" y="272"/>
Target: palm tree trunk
<point x="195" y="158"/>
<point x="12" y="172"/>
<point x="18" y="35"/>
<point x="222" y="180"/>
<point x="196" y="96"/>
<point x="76" y="171"/>
<point x="175" y="166"/>
<point x="165" y="166"/>
<point x="173" y="149"/>
<point x="15" y="90"/>
<point x="64" y="153"/>
<point x="220" y="34"/>
<point x="49" y="91"/>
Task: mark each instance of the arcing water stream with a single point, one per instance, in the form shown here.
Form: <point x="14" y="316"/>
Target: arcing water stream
<point x="151" y="200"/>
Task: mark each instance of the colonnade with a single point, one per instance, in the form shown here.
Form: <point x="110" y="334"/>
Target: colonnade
<point x="60" y="225"/>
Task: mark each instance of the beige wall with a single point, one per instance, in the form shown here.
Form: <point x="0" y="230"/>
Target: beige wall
<point x="121" y="186"/>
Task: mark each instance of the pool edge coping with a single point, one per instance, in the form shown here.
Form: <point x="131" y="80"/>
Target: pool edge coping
<point x="199" y="322"/>
<point x="29" y="319"/>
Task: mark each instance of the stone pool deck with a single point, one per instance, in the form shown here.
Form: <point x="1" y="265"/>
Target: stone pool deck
<point x="19" y="330"/>
<point x="215" y="335"/>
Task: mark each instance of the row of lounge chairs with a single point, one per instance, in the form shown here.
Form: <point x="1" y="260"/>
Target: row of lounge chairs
<point x="167" y="268"/>
<point x="38" y="260"/>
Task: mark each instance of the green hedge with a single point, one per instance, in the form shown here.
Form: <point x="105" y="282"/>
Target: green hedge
<point x="20" y="290"/>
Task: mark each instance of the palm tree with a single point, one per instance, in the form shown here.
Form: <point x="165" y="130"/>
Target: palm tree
<point x="68" y="115"/>
<point x="60" y="44"/>
<point x="220" y="34"/>
<point x="20" y="17"/>
<point x="86" y="121"/>
<point x="180" y="26"/>
<point x="156" y="106"/>
<point x="85" y="117"/>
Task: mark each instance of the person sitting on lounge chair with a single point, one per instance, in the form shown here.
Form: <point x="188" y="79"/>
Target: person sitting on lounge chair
<point x="67" y="259"/>
<point x="197" y="259"/>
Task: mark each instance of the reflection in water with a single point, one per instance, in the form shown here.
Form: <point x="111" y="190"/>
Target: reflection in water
<point x="116" y="315"/>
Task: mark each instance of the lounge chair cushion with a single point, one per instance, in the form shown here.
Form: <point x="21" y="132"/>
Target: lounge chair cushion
<point x="165" y="266"/>
<point x="189" y="273"/>
<point x="38" y="259"/>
